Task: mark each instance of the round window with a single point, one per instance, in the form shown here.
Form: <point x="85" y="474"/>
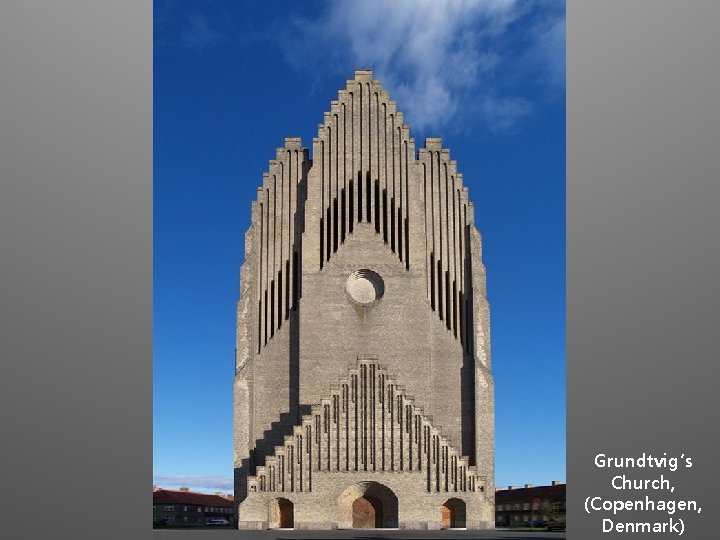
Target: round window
<point x="365" y="287"/>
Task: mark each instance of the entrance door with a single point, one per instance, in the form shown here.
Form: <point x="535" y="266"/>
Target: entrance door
<point x="367" y="513"/>
<point x="285" y="509"/>
<point x="452" y="514"/>
<point x="367" y="505"/>
<point x="446" y="516"/>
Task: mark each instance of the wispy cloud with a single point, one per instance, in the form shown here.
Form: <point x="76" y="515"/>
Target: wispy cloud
<point x="196" y="27"/>
<point x="502" y="114"/>
<point x="197" y="33"/>
<point x="197" y="483"/>
<point x="432" y="54"/>
<point x="549" y="51"/>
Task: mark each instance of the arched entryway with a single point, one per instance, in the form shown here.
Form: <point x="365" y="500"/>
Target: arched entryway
<point x="452" y="514"/>
<point x="368" y="505"/>
<point x="282" y="514"/>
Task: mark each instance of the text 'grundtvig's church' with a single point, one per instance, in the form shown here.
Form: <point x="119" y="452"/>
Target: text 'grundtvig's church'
<point x="363" y="392"/>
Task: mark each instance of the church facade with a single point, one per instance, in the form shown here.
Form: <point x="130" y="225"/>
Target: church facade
<point x="363" y="389"/>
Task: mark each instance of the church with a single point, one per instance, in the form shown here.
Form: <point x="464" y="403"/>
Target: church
<point x="363" y="394"/>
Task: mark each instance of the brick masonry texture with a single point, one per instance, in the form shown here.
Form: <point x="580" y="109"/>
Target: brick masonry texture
<point x="376" y="386"/>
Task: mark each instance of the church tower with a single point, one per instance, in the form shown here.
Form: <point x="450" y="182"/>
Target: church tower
<point x="363" y="391"/>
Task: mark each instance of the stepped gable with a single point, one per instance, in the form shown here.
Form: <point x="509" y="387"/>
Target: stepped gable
<point x="364" y="154"/>
<point x="366" y="162"/>
<point x="367" y="423"/>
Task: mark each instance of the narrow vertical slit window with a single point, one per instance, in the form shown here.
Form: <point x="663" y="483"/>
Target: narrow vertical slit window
<point x="440" y="289"/>
<point x="279" y="300"/>
<point x="385" y="216"/>
<point x="432" y="281"/>
<point x="343" y="212"/>
<point x="448" y="312"/>
<point x="287" y="288"/>
<point x="259" y="325"/>
<point x="265" y="304"/>
<point x="400" y="234"/>
<point x="322" y="242"/>
<point x="335" y="224"/>
<point x="392" y="224"/>
<point x="455" y="309"/>
<point x="468" y="315"/>
<point x="295" y="285"/>
<point x="407" y="245"/>
<point x="461" y="309"/>
<point x="329" y="236"/>
<point x="272" y="308"/>
<point x="368" y="196"/>
<point x="351" y="200"/>
<point x="360" y="197"/>
<point x="377" y="206"/>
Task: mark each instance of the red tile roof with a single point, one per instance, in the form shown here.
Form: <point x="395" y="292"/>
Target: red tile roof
<point x="504" y="496"/>
<point x="168" y="496"/>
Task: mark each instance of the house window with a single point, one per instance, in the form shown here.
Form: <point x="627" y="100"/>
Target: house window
<point x="185" y="519"/>
<point x="199" y="508"/>
<point x="184" y="508"/>
<point x="169" y="508"/>
<point x="170" y="519"/>
<point x="154" y="508"/>
<point x="526" y="506"/>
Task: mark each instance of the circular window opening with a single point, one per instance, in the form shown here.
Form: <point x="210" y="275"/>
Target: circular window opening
<point x="365" y="287"/>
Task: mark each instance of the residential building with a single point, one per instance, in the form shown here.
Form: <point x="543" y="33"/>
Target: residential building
<point x="186" y="508"/>
<point x="529" y="505"/>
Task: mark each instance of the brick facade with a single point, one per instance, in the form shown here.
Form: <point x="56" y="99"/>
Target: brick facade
<point x="363" y="342"/>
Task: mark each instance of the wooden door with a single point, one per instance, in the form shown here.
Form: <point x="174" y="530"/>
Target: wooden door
<point x="367" y="513"/>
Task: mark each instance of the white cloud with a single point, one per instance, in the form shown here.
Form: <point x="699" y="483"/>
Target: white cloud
<point x="431" y="54"/>
<point x="196" y="483"/>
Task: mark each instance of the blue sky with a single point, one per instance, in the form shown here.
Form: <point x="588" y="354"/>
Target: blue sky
<point x="233" y="78"/>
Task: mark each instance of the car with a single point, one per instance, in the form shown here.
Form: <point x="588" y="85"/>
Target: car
<point x="555" y="525"/>
<point x="218" y="521"/>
